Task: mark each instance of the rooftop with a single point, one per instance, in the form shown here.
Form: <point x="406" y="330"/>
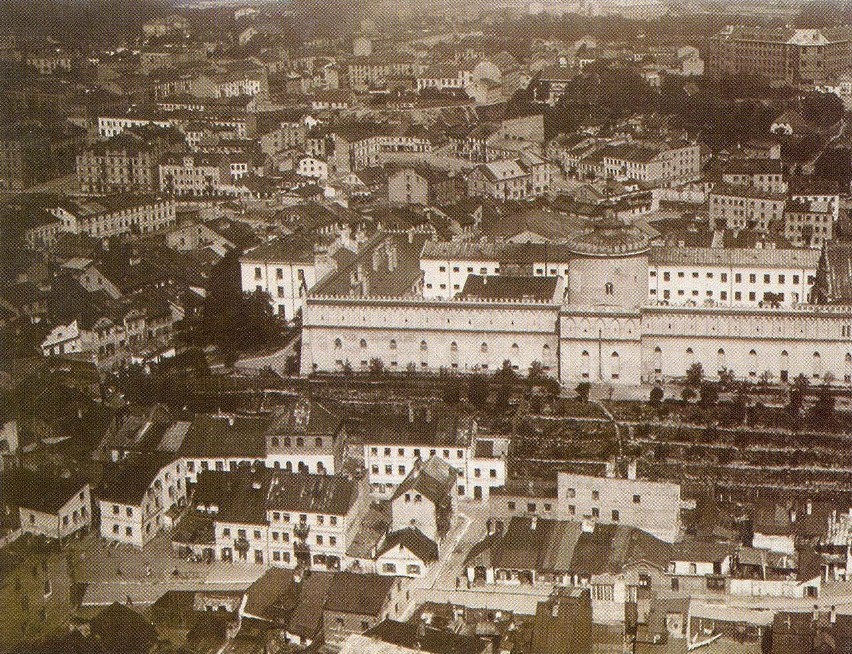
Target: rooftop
<point x="501" y="287"/>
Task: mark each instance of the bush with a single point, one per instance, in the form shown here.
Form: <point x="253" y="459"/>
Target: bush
<point x="583" y="389"/>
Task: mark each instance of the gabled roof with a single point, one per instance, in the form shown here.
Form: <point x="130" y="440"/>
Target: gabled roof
<point x="30" y="490"/>
<point x="127" y="481"/>
<point x="306" y="618"/>
<point x="413" y="636"/>
<point x="414" y="540"/>
<point x="305" y="493"/>
<point x="359" y="594"/>
<point x="434" y="479"/>
<point x="272" y="596"/>
<point x="221" y="436"/>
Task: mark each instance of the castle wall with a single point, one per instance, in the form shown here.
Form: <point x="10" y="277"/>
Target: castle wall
<point x="462" y="336"/>
<point x="812" y="341"/>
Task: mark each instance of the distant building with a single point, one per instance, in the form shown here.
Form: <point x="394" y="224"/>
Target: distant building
<point x="781" y="55"/>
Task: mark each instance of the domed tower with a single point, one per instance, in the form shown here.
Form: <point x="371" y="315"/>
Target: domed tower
<point x="609" y="266"/>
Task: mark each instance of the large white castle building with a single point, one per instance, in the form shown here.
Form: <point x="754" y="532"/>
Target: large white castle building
<point x="587" y="310"/>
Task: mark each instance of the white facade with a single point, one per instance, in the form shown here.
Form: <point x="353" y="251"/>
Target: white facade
<point x="388" y="464"/>
<point x="74" y="515"/>
<point x="732" y="277"/>
<point x="286" y="282"/>
<point x="651" y="506"/>
<point x="136" y="524"/>
<point x="109" y="126"/>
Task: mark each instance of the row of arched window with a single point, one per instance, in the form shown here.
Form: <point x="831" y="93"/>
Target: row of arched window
<point x="424" y="346"/>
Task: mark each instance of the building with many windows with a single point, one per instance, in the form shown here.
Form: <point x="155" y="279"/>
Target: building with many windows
<point x="784" y="54"/>
<point x="136" y="495"/>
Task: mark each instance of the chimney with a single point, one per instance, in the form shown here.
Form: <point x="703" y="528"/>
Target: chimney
<point x="411" y="236"/>
<point x="833" y="615"/>
<point x="816" y="613"/>
<point x="809" y="507"/>
<point x="489" y="526"/>
<point x="588" y="526"/>
<point x="631" y="470"/>
<point x="534" y="522"/>
<point x="793" y="515"/>
<point x="609" y="472"/>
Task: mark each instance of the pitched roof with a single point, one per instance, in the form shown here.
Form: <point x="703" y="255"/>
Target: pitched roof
<point x="306" y="619"/>
<point x="803" y="258"/>
<point x="414" y="540"/>
<point x="412" y="636"/>
<point x="31" y="490"/>
<point x="834" y="278"/>
<point x="221" y="436"/>
<point x="272" y="595"/>
<point x="700" y="551"/>
<point x="126" y="482"/>
<point x="301" y="415"/>
<point x="295" y="248"/>
<point x="434" y="479"/>
<point x="359" y="594"/>
<point x="306" y="493"/>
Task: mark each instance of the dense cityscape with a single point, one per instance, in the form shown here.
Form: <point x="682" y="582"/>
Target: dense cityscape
<point x="381" y="327"/>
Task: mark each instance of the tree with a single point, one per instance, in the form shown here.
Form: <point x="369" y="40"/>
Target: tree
<point x="694" y="375"/>
<point x="709" y="393"/>
<point x="766" y="378"/>
<point x="506" y="375"/>
<point x="835" y="164"/>
<point x="656" y="396"/>
<point x="477" y="390"/>
<point x="377" y="367"/>
<point x="828" y="378"/>
<point x="687" y="394"/>
<point x="535" y="373"/>
<point x="822" y="412"/>
<point x="726" y="378"/>
<point x="583" y="389"/>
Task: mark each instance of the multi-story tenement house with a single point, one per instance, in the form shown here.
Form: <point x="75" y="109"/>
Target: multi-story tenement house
<point x="113" y="215"/>
<point x="304" y="436"/>
<point x="194" y="175"/>
<point x="51" y="507"/>
<point x="743" y="207"/>
<point x="272" y="517"/>
<point x="127" y="162"/>
<point x="361" y="145"/>
<point x="446" y="265"/>
<point x="110" y="125"/>
<point x="394" y="444"/>
<point x="287" y="268"/>
<point x="794" y="56"/>
<point x="817" y="192"/>
<point x="375" y="71"/>
<point x="50" y="61"/>
<point x="425" y="186"/>
<point x="425" y="500"/>
<point x="112" y="332"/>
<point x="765" y="175"/>
<point x="653" y="507"/>
<point x="222" y="443"/>
<point x="511" y="179"/>
<point x="135" y="496"/>
<point x="808" y="224"/>
<point x="652" y="163"/>
<point x="731" y="276"/>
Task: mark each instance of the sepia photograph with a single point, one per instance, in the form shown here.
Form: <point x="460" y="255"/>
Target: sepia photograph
<point x="425" y="327"/>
